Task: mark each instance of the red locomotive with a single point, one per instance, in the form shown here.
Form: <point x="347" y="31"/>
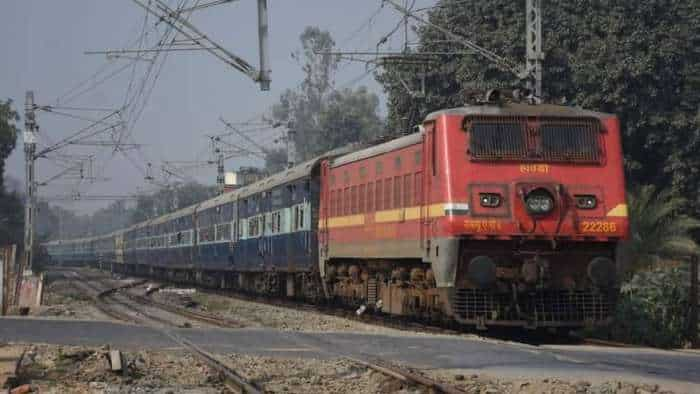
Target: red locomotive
<point x="502" y="214"/>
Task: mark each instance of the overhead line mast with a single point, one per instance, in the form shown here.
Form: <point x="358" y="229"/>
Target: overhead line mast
<point x="531" y="72"/>
<point x="197" y="38"/>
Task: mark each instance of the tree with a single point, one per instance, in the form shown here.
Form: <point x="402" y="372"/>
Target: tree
<point x="8" y="136"/>
<point x="637" y="59"/>
<point x="11" y="209"/>
<point x="315" y="110"/>
<point x="349" y="116"/>
<point x="275" y="160"/>
<point x="657" y="229"/>
<point x="170" y="199"/>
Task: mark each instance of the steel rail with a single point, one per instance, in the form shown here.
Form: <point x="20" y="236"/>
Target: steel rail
<point x="232" y="380"/>
<point x="404" y="375"/>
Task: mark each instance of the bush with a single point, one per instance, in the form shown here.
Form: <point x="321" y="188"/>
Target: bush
<point x="653" y="308"/>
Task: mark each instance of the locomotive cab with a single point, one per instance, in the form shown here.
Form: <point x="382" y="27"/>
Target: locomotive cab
<point x="540" y="192"/>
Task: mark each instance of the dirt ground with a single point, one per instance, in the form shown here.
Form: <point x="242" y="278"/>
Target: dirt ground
<point x="254" y="314"/>
<point x="62" y="298"/>
<point x="70" y="369"/>
<point x="83" y="370"/>
<point x="481" y="384"/>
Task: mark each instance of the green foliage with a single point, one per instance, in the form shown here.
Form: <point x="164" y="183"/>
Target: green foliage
<point x="8" y="135"/>
<point x="275" y="160"/>
<point x="323" y="117"/>
<point x="11" y="208"/>
<point x="652" y="308"/>
<point x="638" y="59"/>
<point x="657" y="229"/>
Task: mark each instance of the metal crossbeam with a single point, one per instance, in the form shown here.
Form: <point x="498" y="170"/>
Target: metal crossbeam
<point x="174" y="19"/>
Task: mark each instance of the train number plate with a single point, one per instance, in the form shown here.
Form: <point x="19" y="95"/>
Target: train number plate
<point x="597" y="226"/>
<point x="482" y="226"/>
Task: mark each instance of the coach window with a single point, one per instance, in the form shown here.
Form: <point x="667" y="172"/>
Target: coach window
<point x="397" y="163"/>
<point x="378" y="196"/>
<point x="378" y="168"/>
<point x="301" y="217"/>
<point x="417" y="158"/>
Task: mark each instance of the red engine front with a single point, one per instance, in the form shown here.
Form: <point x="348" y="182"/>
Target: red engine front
<point x="538" y="198"/>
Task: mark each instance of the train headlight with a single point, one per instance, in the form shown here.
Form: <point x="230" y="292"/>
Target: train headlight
<point x="490" y="200"/>
<point x="602" y="271"/>
<point x="481" y="271"/>
<point x="586" y="201"/>
<point x="539" y="202"/>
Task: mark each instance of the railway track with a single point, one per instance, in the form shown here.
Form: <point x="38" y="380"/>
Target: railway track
<point x="406" y="376"/>
<point x="235" y="381"/>
<point x="382" y="320"/>
<point x="106" y="301"/>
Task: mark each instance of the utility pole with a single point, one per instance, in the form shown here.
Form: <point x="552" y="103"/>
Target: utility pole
<point x="30" y="130"/>
<point x="220" y="177"/>
<point x="291" y="145"/>
<point x="263" y="21"/>
<point x="535" y="55"/>
<point x="693" y="303"/>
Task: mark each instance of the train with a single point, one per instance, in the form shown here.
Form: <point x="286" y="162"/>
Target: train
<point x="498" y="214"/>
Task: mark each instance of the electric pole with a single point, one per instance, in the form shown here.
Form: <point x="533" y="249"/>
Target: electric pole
<point x="291" y="145"/>
<point x="535" y="55"/>
<point x="264" y="77"/>
<point x="220" y="176"/>
<point x="30" y="130"/>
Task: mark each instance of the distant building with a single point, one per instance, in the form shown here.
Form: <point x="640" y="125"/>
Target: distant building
<point x="244" y="176"/>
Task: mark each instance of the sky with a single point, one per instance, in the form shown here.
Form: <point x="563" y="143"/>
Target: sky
<point x="43" y="49"/>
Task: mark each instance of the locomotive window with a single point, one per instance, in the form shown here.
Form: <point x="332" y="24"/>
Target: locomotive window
<point x="418" y="188"/>
<point x="407" y="191"/>
<point x="346" y="205"/>
<point x="370" y="197"/>
<point x="361" y="198"/>
<point x="353" y="198"/>
<point x="548" y="139"/>
<point x="567" y="140"/>
<point x="497" y="139"/>
<point x="397" y="192"/>
<point x="387" y="193"/>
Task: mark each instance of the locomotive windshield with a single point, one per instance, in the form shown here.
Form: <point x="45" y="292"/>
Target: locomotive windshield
<point x="544" y="139"/>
